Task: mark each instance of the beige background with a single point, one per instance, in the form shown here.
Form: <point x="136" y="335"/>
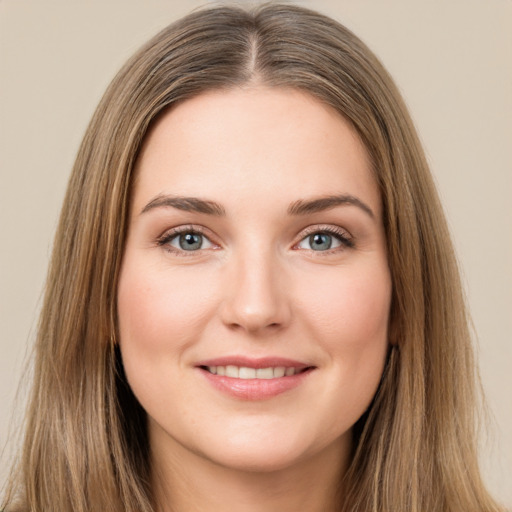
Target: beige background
<point x="452" y="60"/>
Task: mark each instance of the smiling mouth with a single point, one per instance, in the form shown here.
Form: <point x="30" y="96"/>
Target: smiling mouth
<point x="244" y="372"/>
<point x="249" y="379"/>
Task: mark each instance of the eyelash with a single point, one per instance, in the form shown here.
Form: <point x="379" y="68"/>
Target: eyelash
<point x="346" y="240"/>
<point x="340" y="234"/>
<point x="168" y="236"/>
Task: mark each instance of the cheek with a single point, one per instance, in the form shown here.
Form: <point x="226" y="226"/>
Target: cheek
<point x="161" y="314"/>
<point x="353" y="306"/>
<point x="161" y="309"/>
<point x="347" y="313"/>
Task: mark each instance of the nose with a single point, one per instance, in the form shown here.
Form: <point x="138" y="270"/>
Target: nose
<point x="255" y="298"/>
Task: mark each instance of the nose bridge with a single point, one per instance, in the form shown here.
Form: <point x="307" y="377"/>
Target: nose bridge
<point x="255" y="298"/>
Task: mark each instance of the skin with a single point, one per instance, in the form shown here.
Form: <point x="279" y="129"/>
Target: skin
<point x="256" y="287"/>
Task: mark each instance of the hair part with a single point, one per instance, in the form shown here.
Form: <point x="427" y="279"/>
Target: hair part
<point x="86" y="445"/>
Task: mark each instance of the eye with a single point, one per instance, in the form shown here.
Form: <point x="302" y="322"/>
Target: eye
<point x="325" y="240"/>
<point x="188" y="240"/>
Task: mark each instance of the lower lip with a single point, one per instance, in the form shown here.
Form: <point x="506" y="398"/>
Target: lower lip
<point x="255" y="389"/>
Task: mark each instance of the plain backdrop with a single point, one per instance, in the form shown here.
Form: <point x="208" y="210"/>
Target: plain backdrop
<point x="451" y="59"/>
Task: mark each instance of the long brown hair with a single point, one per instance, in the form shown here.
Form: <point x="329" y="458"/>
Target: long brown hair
<point x="86" y="444"/>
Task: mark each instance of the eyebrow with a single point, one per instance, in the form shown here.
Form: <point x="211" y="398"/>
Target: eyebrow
<point x="187" y="204"/>
<point x="304" y="207"/>
<point x="299" y="207"/>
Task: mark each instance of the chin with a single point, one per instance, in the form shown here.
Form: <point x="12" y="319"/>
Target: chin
<point x="255" y="459"/>
<point x="265" y="453"/>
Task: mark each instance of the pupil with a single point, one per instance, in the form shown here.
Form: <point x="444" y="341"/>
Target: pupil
<point x="190" y="241"/>
<point x="320" y="241"/>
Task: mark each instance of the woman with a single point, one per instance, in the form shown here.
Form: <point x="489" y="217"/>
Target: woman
<point x="248" y="305"/>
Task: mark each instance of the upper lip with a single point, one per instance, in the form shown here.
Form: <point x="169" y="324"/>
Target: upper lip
<point x="250" y="362"/>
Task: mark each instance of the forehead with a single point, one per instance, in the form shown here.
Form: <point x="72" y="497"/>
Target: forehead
<point x="250" y="143"/>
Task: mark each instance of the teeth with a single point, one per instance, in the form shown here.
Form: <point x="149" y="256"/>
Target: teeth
<point x="279" y="371"/>
<point x="243" y="372"/>
<point x="265" y="373"/>
<point x="232" y="371"/>
<point x="247" y="373"/>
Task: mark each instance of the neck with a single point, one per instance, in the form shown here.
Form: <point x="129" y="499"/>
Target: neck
<point x="187" y="482"/>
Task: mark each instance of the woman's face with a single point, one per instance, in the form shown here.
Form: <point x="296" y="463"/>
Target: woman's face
<point x="255" y="291"/>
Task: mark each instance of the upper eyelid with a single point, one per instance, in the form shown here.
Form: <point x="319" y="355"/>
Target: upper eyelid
<point x="187" y="228"/>
<point x="171" y="233"/>
<point x="319" y="228"/>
